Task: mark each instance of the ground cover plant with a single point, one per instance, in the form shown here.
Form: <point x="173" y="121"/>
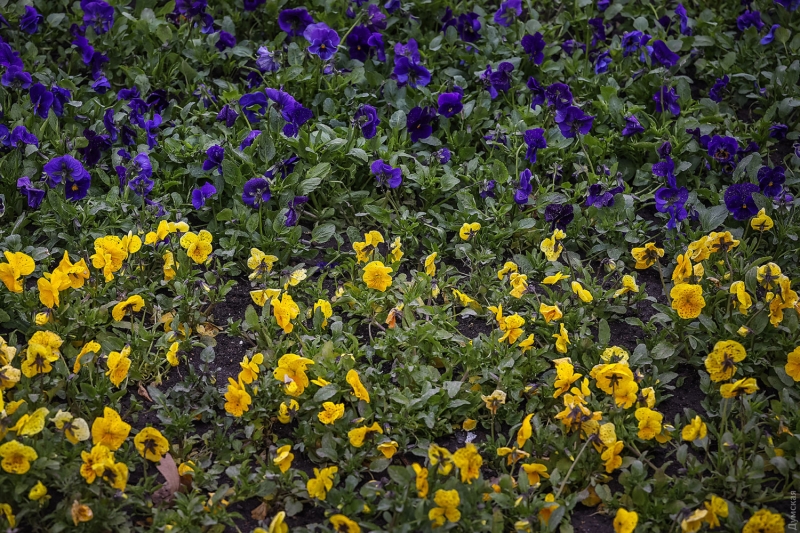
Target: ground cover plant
<point x="414" y="266"/>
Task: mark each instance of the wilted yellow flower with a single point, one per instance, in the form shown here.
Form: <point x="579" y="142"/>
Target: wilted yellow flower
<point x="740" y="387"/>
<point x="30" y="424"/>
<point x="284" y="457"/>
<point x="77" y="273"/>
<point x="741" y="298"/>
<point x="628" y="285"/>
<point x="262" y="296"/>
<point x="430" y="266"/>
<point x="683" y="269"/>
<point x="519" y="284"/>
<point x="494" y="400"/>
<point x="324" y="307"/>
<point x="396" y="252"/>
<point x="75" y="429"/>
<point x="716" y="508"/>
<point x="388" y="449"/>
<point x="250" y="367"/>
<point x="551" y="246"/>
<point x="694" y="521"/>
<point x="525" y="430"/>
<point x="550" y="312"/>
<point x="259" y="263"/>
<point x="582" y="293"/>
<point x="562" y="339"/>
<point x="611" y="456"/>
<point x="535" y="471"/>
<point x="80" y="513"/>
<point x="513" y="328"/>
<point x="508" y="268"/>
<point x="695" y="430"/>
<point x="441" y="457"/>
<point x="172" y="354"/>
<point x="295" y="278"/>
<point x="555" y="278"/>
<point x="170" y="266"/>
<point x="421" y="480"/>
<point x="133" y="303"/>
<point x="359" y="391"/>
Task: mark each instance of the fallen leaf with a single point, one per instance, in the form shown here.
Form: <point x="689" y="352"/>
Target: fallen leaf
<point x="143" y="392"/>
<point x="260" y="512"/>
<point x="169" y="470"/>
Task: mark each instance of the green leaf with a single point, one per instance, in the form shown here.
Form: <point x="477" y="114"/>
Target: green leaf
<point x="251" y="317"/>
<point x="711" y="218"/>
<point x="663" y="350"/>
<point x="318" y="171"/>
<point x="323" y="233"/>
<point x="326" y="393"/>
<point x="452" y="388"/>
<point x="309" y="185"/>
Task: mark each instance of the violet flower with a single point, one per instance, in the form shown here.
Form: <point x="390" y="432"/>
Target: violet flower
<point x="386" y="175"/>
<point x="723" y="149"/>
<point x="29" y="23"/>
<point x="524" y="189"/>
<point x="366" y="118"/>
<point x="632" y="126"/>
<point x="572" y="121"/>
<point x="739" y="200"/>
<point x="33" y="195"/>
<point x="256" y="192"/>
<point x="228" y="115"/>
<point x="559" y="215"/>
<point x="418" y="123"/>
<point x="715" y="93"/>
<point x="214" y="157"/>
<point x="771" y="180"/>
<point x="533" y="45"/>
<point x="41" y="100"/>
<point x="672" y="200"/>
<point x="667" y="99"/>
<point x="203" y="193"/>
<point x="294" y="21"/>
<point x="535" y="140"/>
<point x="292" y="215"/>
<point x="507" y="12"/>
<point x="323" y="41"/>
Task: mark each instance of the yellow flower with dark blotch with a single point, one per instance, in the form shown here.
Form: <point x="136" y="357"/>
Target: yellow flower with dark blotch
<point x="611" y="456"/>
<point x="7" y="353"/>
<point x="9" y="376"/>
<point x="364" y="249"/>
<point x="742" y="300"/>
<point x="519" y="284"/>
<point x="430" y="266"/>
<point x="721" y="362"/>
<point x="469" y="462"/>
<point x="441" y="457"/>
<point x="615" y="354"/>
<point x="324" y="307"/>
<point x="494" y="400"/>
<point x="133" y="304"/>
<point x="331" y="412"/>
<point x="170" y="266"/>
<point x="550" y="312"/>
<point x="376" y="276"/>
<point x="358" y="435"/>
<point x="765" y="521"/>
<point x="16" y="457"/>
<point x="284" y="457"/>
<point x="259" y="263"/>
<point x="197" y="245"/>
<point x="647" y="397"/>
<point x="565" y="377"/>
<point x="38" y="493"/>
<point x="446" y="510"/>
<point x="513" y="328"/>
<point x="767" y="275"/>
<point x="687" y="300"/>
<point x="792" y="367"/>
<point x="110" y="430"/>
<point x="716" y="508"/>
<point x="286" y="412"/>
<point x="535" y="471"/>
<point x="468" y="230"/>
<point x="359" y="391"/>
<point x="738" y="388"/>
<point x="512" y="455"/>
<point x="508" y="268"/>
<point x="628" y="285"/>
<point x="762" y="222"/>
<point x="109" y="255"/>
<point x="237" y="399"/>
<point x="162" y="232"/>
<point x="172" y="354"/>
<point x="625" y="521"/>
<point x="38" y="359"/>
<point x="262" y="296"/>
<point x="75" y="429"/>
<point x="388" y="449"/>
<point x="77" y="273"/>
<point x="649" y="423"/>
<point x="118" y="365"/>
<point x="698" y="250"/>
<point x="80" y="513"/>
<point x="647" y="255"/>
<point x="525" y="430"/>
<point x="18" y="264"/>
<point x="250" y="367"/>
<point x="30" y="424"/>
<point x="285" y="311"/>
<point x="562" y="339"/>
<point x="50" y="285"/>
<point x="720" y="242"/>
<point x="295" y="278"/>
<point x="683" y="269"/>
<point x="610" y="376"/>
<point x="625" y="394"/>
<point x="582" y="293"/>
<point x="396" y="251"/>
<point x="694" y="521"/>
<point x="151" y="444"/>
<point x="696" y="429"/>
<point x="554" y="278"/>
<point x="421" y="482"/>
<point x="342" y="524"/>
<point x="321" y="483"/>
<point x="551" y="246"/>
<point x="291" y="372"/>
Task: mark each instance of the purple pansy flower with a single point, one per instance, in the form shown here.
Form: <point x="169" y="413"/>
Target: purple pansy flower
<point x="715" y="93"/>
<point x="29" y="23"/>
<point x="535" y="140"/>
<point x="358" y="42"/>
<point x="15" y="76"/>
<point x="256" y="192"/>
<point x="684" y="19"/>
<point x="59" y="168"/>
<point x="771" y="180"/>
<point x="292" y="215"/>
<point x="664" y="55"/>
<point x="418" y="123"/>
<point x="19" y="134"/>
<point x="367" y="119"/>
<point x="632" y="126"/>
<point x="748" y="19"/>
<point x="41" y="100"/>
<point x="386" y="175"/>
<point x="294" y="21"/>
<point x="442" y="155"/>
<point x="98" y="14"/>
<point x="141" y="185"/>
<point x="468" y="27"/>
<point x="258" y="99"/>
<point x="93" y="151"/>
<point x="228" y="115"/>
<point x="450" y="103"/>
<point x="214" y="157"/>
<point x="507" y="12"/>
<point x="497" y="81"/>
<point x="602" y="62"/>
<point x="770" y="36"/>
<point x="739" y="200"/>
<point x="672" y="200"/>
<point x="248" y="140"/>
<point x="573" y="121"/>
<point x="32" y="194"/>
<point x="778" y="131"/>
<point x="601" y="197"/>
<point x="558" y="95"/>
<point x="203" y="193"/>
<point x="666" y="169"/>
<point x="265" y="62"/>
<point x="634" y="41"/>
<point x="524" y="189"/>
<point x="412" y="73"/>
<point x="292" y="111"/>
<point x="534" y="47"/>
<point x="537" y="90"/>
<point x="487" y="189"/>
<point x="285" y="168"/>
<point x="723" y="149"/>
<point x="667" y="99"/>
<point x="101" y="85"/>
<point x="323" y="41"/>
<point x="559" y="215"/>
<point x="226" y="40"/>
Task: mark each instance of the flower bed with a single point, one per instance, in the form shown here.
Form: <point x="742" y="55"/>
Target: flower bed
<point x="346" y="266"/>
